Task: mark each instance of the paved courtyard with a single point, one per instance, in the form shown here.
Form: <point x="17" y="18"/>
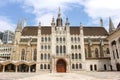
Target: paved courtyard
<point x="61" y="76"/>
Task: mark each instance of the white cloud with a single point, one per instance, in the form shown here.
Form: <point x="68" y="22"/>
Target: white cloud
<point x="44" y="10"/>
<point x="103" y="8"/>
<point x="6" y="24"/>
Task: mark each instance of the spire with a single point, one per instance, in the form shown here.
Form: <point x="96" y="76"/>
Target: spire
<point x="25" y="22"/>
<point x="111" y="26"/>
<point x="59" y="13"/>
<point x="101" y="22"/>
<point x="59" y="19"/>
<point x="53" y="21"/>
<point x="67" y="21"/>
<point x="19" y="26"/>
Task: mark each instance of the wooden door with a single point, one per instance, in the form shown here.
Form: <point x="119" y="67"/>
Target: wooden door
<point x="61" y="66"/>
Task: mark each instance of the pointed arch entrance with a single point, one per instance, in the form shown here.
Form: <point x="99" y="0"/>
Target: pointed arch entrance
<point x="61" y="65"/>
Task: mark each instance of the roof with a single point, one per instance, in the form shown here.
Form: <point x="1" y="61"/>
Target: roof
<point x="95" y="31"/>
<point x="88" y="31"/>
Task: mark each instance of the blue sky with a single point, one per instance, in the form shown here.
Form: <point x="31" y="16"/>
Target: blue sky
<point x="88" y="12"/>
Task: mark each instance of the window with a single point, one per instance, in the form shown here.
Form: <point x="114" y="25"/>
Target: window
<point x="75" y="39"/>
<point x="48" y="56"/>
<point x="45" y="47"/>
<point x="48" y="66"/>
<point x="23" y="54"/>
<point x="63" y="39"/>
<point x="41" y="56"/>
<point x="60" y="49"/>
<point x="79" y="56"/>
<point x="41" y="66"/>
<point x="107" y="50"/>
<point x="91" y="67"/>
<point x="78" y="39"/>
<point x="57" y="39"/>
<point x="96" y="52"/>
<point x="49" y="39"/>
<point x="57" y="49"/>
<point x="72" y="47"/>
<point x="64" y="49"/>
<point x="45" y="56"/>
<point x="41" y="46"/>
<point x="75" y="46"/>
<point x="95" y="67"/>
<point x="76" y="66"/>
<point x="72" y="39"/>
<point x="45" y="39"/>
<point x="60" y="39"/>
<point x="48" y="46"/>
<point x="78" y="46"/>
<point x="45" y="66"/>
<point x="72" y="56"/>
<point x="73" y="66"/>
<point x="80" y="66"/>
<point x="76" y="56"/>
<point x="42" y="39"/>
<point x="35" y="55"/>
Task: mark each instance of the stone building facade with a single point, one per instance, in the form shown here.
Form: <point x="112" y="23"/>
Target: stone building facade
<point x="114" y="45"/>
<point x="59" y="48"/>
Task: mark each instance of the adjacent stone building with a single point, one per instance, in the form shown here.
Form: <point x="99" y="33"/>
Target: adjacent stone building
<point x="114" y="45"/>
<point x="59" y="48"/>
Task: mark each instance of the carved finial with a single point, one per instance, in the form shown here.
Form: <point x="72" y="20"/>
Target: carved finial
<point x="67" y="21"/>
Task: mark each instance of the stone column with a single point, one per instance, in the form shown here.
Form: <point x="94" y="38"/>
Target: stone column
<point x="16" y="68"/>
<point x="29" y="68"/>
<point x="3" y="68"/>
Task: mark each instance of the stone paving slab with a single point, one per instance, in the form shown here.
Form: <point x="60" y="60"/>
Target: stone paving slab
<point x="61" y="76"/>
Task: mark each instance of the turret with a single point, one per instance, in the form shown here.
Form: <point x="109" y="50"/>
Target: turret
<point x="111" y="26"/>
<point x="67" y="24"/>
<point x="81" y="29"/>
<point x="19" y="26"/>
<point x="59" y="19"/>
<point x="25" y="22"/>
<point x="101" y="22"/>
<point x="18" y="32"/>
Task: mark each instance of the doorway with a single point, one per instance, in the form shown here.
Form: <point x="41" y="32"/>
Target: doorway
<point x="61" y="66"/>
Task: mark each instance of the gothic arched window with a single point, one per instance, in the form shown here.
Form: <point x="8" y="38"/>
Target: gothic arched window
<point x="64" y="49"/>
<point x="41" y="66"/>
<point x="72" y="47"/>
<point x="76" y="56"/>
<point x="45" y="56"/>
<point x="73" y="66"/>
<point x="60" y="49"/>
<point x="72" y="56"/>
<point x="23" y="54"/>
<point x="41" y="56"/>
<point x="45" y="66"/>
<point x="80" y="66"/>
<point x="76" y="66"/>
<point x="48" y="66"/>
<point x="79" y="56"/>
<point x="79" y="47"/>
<point x="96" y="53"/>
